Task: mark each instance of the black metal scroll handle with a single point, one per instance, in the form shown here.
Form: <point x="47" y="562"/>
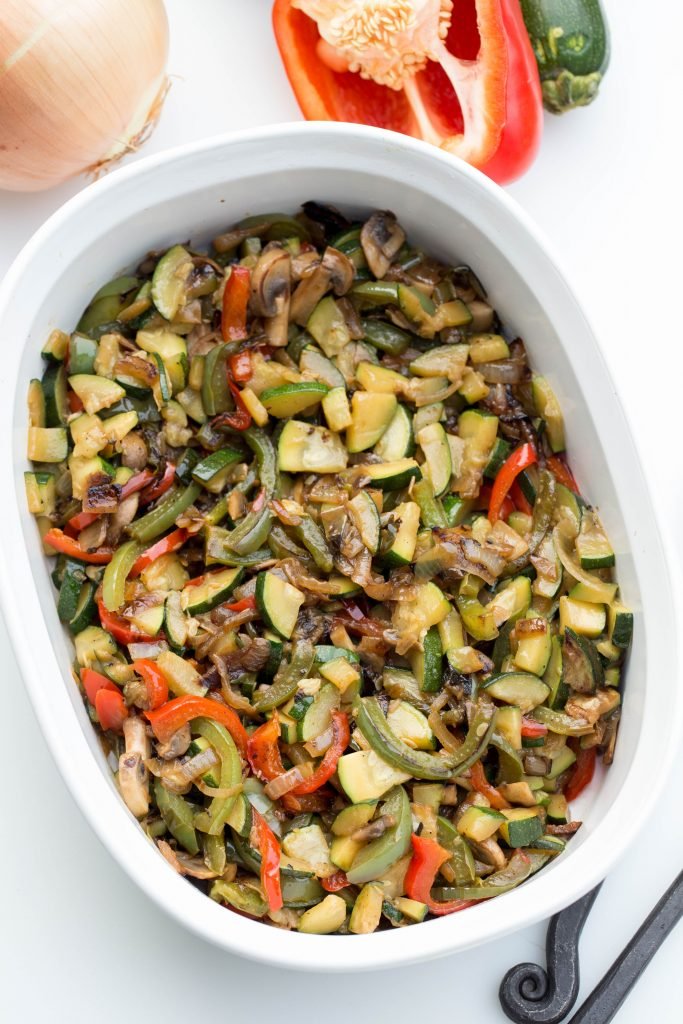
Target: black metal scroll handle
<point x="531" y="995"/>
<point x="517" y="994"/>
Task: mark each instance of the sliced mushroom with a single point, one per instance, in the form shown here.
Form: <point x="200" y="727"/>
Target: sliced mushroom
<point x="124" y="515"/>
<point x="133" y="776"/>
<point x="176" y="745"/>
<point x="134" y="451"/>
<point x="335" y="271"/>
<point x="270" y="291"/>
<point x="304" y="264"/>
<point x="94" y="535"/>
<point x="381" y="238"/>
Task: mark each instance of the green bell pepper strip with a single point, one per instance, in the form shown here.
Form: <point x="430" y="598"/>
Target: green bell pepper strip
<point x="560" y="723"/>
<point x="239" y="895"/>
<point x="375" y="293"/>
<point x="216" y="395"/>
<point x="375" y="858"/>
<point x="462" y="858"/>
<point x="544" y="506"/>
<point x="165" y="514"/>
<point x="231" y="770"/>
<point x="217" y="550"/>
<point x="431" y="510"/>
<point x="215" y="853"/>
<point x="372" y="723"/>
<point x="313" y="539"/>
<point x="385" y="336"/>
<point x="509" y="761"/>
<point x="282" y="546"/>
<point x="116" y="574"/>
<point x="178" y="815"/>
<point x="287" y="679"/>
<point x="517" y="870"/>
<point x="299" y="893"/>
<point x="252" y="532"/>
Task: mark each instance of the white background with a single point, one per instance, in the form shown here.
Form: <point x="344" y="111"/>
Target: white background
<point x="77" y="940"/>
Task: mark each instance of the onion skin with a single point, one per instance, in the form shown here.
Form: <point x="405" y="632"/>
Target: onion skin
<point x="61" y="115"/>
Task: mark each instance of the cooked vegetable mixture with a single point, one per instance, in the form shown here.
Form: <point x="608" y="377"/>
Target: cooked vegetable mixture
<point x="345" y="623"/>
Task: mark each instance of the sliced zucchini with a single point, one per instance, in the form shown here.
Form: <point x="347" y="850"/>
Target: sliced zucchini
<point x="488" y="348"/>
<point x="371" y="414"/>
<point x="366" y="519"/>
<point x="328" y="326"/>
<point x="367" y="910"/>
<point x="96" y="392"/>
<point x="553" y="677"/>
<point x="304" y="448"/>
<point x="337" y="409"/>
<point x="397" y="441"/>
<point x="278" y="603"/>
<point x="620" y="622"/>
<point x="47" y="444"/>
<point x="511" y="602"/>
<point x="172" y="350"/>
<point x="410" y="726"/>
<point x="351" y="818"/>
<point x="41" y="495"/>
<point x="55" y="392"/>
<point x="533" y="651"/>
<point x="70" y="591"/>
<point x="427" y="663"/>
<point x="182" y="678"/>
<point x="478" y="430"/>
<point x="392" y="476"/>
<point x="325" y="917"/>
<point x="85" y="609"/>
<point x="509" y="725"/>
<point x="592" y="546"/>
<point x="345" y="675"/>
<point x="175" y="621"/>
<point x="289" y="399"/>
<point x="149" y="620"/>
<point x="365" y="776"/>
<point x="380" y="380"/>
<point x="36" y="404"/>
<point x="314" y="363"/>
<point x="519" y="688"/>
<point x="433" y="441"/>
<point x="522" y="826"/>
<point x="582" y="669"/>
<point x="442" y="361"/>
<point x="82" y="354"/>
<point x="169" y="282"/>
<point x="479" y="823"/>
<point x="55" y="348"/>
<point x="499" y="453"/>
<point x="318" y="715"/>
<point x="582" y="617"/>
<point x="215" y="589"/>
<point x="405" y="524"/>
<point x="548" y="408"/>
<point x="210" y="469"/>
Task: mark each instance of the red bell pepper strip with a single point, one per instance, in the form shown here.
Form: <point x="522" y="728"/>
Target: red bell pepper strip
<point x="533" y="730"/>
<point x="478" y="97"/>
<point x="58" y="540"/>
<point x="119" y="627"/>
<point x="170" y="717"/>
<point x="562" y="473"/>
<point x="166" y="546"/>
<point x="240" y="367"/>
<point x="155" y="681"/>
<point x="75" y="403"/>
<point x="484" y="499"/>
<point x="483" y="786"/>
<point x="83" y="519"/>
<point x="93" y="682"/>
<point x="240" y="419"/>
<point x="246" y="604"/>
<point x="335" y="882"/>
<point x="427" y="858"/>
<point x="111" y="709"/>
<point x="582" y="772"/>
<point x="263" y="752"/>
<point x="520" y="459"/>
<point x="235" y="301"/>
<point x="269" y="848"/>
<point x="156" y="490"/>
<point x="328" y="765"/>
<point x="519" y="500"/>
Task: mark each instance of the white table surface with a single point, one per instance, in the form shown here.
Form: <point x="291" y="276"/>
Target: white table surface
<point x="78" y="941"/>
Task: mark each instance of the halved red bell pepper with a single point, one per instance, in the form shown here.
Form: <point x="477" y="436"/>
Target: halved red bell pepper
<point x="328" y="765"/>
<point x="58" y="540"/>
<point x="263" y="752"/>
<point x="269" y="848"/>
<point x="235" y="301"/>
<point x="155" y="681"/>
<point x="427" y="858"/>
<point x="170" y="717"/>
<point x="582" y="773"/>
<point x="483" y="786"/>
<point x="119" y="627"/>
<point x="520" y="459"/>
<point x="479" y="99"/>
<point x="166" y="546"/>
<point x="111" y="709"/>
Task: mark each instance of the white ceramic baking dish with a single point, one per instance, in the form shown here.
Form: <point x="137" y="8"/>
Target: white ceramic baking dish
<point x="454" y="212"/>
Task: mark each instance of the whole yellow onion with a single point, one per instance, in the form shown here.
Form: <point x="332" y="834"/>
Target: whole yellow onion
<point x="81" y="83"/>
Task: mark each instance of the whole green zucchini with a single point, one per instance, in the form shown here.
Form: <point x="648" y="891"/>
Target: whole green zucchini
<point x="570" y="40"/>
